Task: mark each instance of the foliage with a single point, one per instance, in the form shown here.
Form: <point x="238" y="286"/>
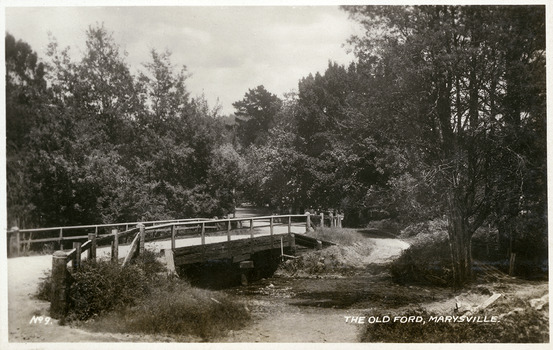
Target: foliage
<point x="426" y="261"/>
<point x="256" y="112"/>
<point x="103" y="286"/>
<point x="90" y="142"/>
<point x="526" y="326"/>
<point x="451" y="107"/>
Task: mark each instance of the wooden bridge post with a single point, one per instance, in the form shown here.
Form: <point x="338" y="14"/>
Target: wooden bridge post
<point x="322" y="219"/>
<point x="307" y="221"/>
<point x="173" y="243"/>
<point x="61" y="238"/>
<point x="203" y="233"/>
<point x="92" y="250"/>
<point x="142" y="229"/>
<point x="15" y="242"/>
<point x="271" y="226"/>
<point x="115" y="245"/>
<point x="289" y="224"/>
<point x="228" y="230"/>
<point x="59" y="291"/>
<point x="77" y="261"/>
<point x="251" y="228"/>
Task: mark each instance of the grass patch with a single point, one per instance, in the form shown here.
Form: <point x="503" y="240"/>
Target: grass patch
<point x="176" y="308"/>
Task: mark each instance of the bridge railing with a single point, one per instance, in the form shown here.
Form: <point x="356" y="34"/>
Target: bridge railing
<point x="173" y="230"/>
<point x="18" y="239"/>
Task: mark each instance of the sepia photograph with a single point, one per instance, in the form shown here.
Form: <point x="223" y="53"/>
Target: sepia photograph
<point x="274" y="174"/>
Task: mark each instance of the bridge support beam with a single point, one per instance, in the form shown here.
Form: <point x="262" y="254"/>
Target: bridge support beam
<point x="245" y="268"/>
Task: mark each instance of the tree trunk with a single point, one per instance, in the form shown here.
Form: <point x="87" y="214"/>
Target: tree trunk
<point x="459" y="242"/>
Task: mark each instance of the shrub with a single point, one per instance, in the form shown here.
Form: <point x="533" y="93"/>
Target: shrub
<point x="426" y="261"/>
<point x="526" y="326"/>
<point x="101" y="286"/>
<point x="137" y="298"/>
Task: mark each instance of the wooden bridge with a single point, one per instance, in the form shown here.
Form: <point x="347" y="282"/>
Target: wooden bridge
<point x="183" y="242"/>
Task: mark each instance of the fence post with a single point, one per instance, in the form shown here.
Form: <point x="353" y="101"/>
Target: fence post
<point x="92" y="250"/>
<point x="307" y="221"/>
<point x="332" y="223"/>
<point x="203" y="233"/>
<point x="142" y="229"/>
<point x="251" y="228"/>
<point x="77" y="260"/>
<point x="115" y="245"/>
<point x="322" y="219"/>
<point x="15" y="242"/>
<point x="272" y="224"/>
<point x="58" y="303"/>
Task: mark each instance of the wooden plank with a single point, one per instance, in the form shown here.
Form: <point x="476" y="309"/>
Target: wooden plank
<point x="71" y="254"/>
<point x="86" y="246"/>
<point x="132" y="251"/>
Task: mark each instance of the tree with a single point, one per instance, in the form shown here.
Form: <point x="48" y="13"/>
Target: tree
<point x="256" y="112"/>
<point x="27" y="98"/>
<point x="449" y="100"/>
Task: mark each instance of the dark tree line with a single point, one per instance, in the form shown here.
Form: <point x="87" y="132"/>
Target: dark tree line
<point x="443" y="114"/>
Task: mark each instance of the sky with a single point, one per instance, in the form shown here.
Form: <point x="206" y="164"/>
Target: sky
<point x="227" y="50"/>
